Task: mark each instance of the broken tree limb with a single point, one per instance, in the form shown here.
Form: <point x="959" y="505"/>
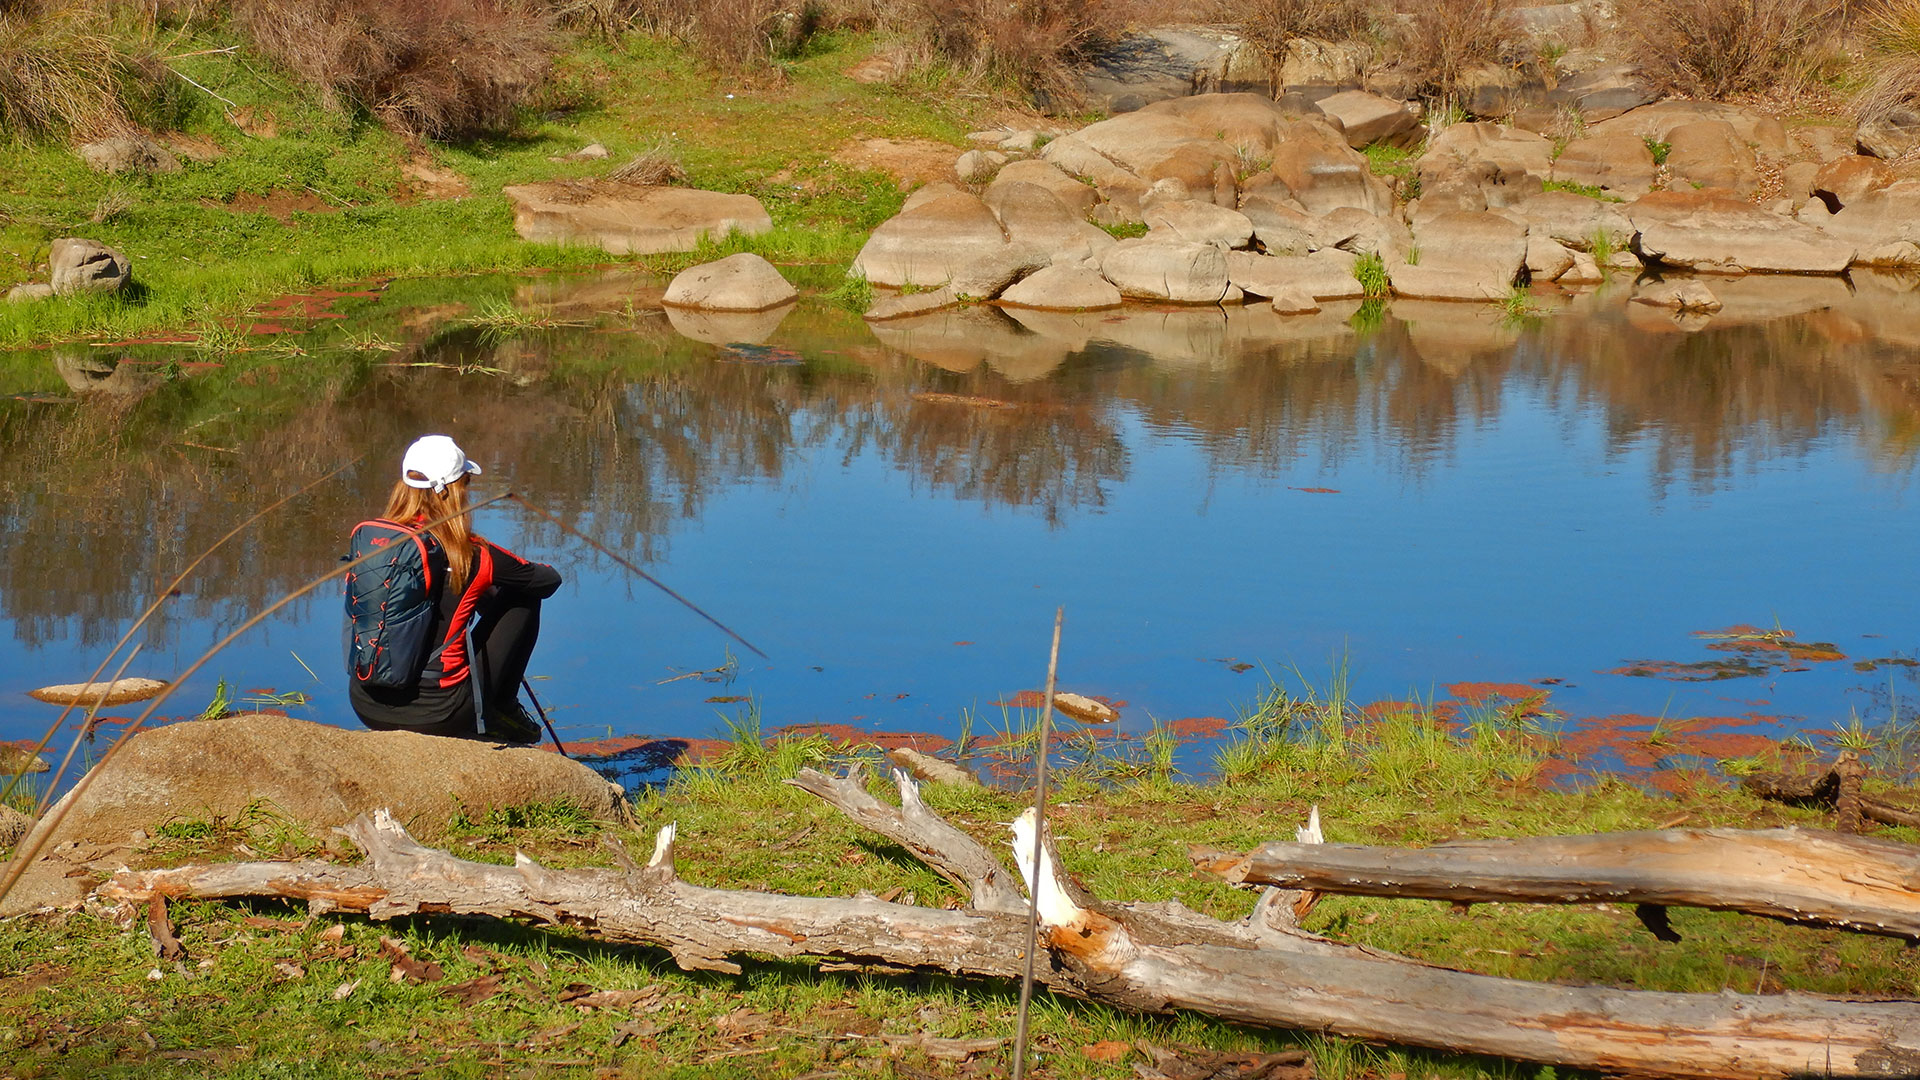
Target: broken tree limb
<point x="1141" y="957"/>
<point x="1796" y="875"/>
<point x="1837" y="789"/>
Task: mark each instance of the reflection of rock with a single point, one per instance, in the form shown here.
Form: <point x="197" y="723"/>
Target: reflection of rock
<point x="1680" y="294"/>
<point x="743" y="282"/>
<point x="966" y="338"/>
<point x="728" y="327"/>
<point x="584" y="296"/>
<point x="1759" y="298"/>
<point x="1452" y="336"/>
<point x="628" y="220"/>
<point x="87" y="371"/>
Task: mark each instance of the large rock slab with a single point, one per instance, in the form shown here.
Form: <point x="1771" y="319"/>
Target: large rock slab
<point x="1478" y="166"/>
<point x="1882" y="225"/>
<point x="626" y="220"/>
<point x="1063" y="288"/>
<point x="1847" y="179"/>
<point x="1710" y="153"/>
<point x="1173" y="270"/>
<point x="1621" y="164"/>
<point x="743" y="282"/>
<point x="1031" y="214"/>
<point x="1574" y="220"/>
<point x="1323" y="275"/>
<point x="1167" y="62"/>
<point x="1369" y="118"/>
<point x="1076" y="195"/>
<point x="926" y="245"/>
<point x="1717" y="232"/>
<point x="1322" y="173"/>
<point x="1280" y="225"/>
<point x="1603" y="93"/>
<point x="1658" y="121"/>
<point x="311" y="774"/>
<point x="1465" y="255"/>
<point x="87" y="266"/>
<point x="1893" y="134"/>
<point x="1199" y="223"/>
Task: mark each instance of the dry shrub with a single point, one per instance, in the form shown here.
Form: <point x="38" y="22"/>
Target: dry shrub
<point x="60" y="71"/>
<point x="436" y="68"/>
<point x="1270" y="24"/>
<point x="655" y="166"/>
<point x="1891" y="32"/>
<point x="1715" y="48"/>
<point x="1444" y="39"/>
<point x="1033" y="44"/>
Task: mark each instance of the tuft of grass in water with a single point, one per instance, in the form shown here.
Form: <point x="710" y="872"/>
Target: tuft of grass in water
<point x="1518" y="307"/>
<point x="1371" y="272"/>
<point x="221" y="704"/>
<point x="854" y="293"/>
<point x="1603" y="245"/>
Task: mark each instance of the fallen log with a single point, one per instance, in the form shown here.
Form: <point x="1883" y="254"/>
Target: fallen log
<point x="1144" y="957"/>
<point x="1837" y="789"/>
<point x="1795" y="875"/>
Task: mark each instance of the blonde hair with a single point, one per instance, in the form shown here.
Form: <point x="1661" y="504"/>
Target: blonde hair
<point x="407" y="505"/>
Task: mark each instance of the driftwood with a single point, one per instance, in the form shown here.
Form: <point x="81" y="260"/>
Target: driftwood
<point x="1838" y="788"/>
<point x="1819" y="878"/>
<point x="1144" y="957"/>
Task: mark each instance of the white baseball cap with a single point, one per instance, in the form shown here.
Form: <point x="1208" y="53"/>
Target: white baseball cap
<point x="434" y="461"/>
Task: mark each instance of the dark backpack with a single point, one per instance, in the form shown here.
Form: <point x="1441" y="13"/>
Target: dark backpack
<point x="390" y="602"/>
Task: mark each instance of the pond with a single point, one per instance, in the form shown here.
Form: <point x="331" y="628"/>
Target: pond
<point x="1611" y="517"/>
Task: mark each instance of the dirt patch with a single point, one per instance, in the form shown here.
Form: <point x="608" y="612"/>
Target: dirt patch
<point x="914" y="161"/>
<point x="279" y="204"/>
<point x="318" y="304"/>
<point x="194" y="147"/>
<point x="422" y="179"/>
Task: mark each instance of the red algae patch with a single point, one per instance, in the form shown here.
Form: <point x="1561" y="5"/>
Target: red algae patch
<point x="845" y="735"/>
<point x="1492" y="693"/>
<point x="1755" y="652"/>
<point x="1197" y="727"/>
<point x="1316" y="490"/>
<point x="318" y="304"/>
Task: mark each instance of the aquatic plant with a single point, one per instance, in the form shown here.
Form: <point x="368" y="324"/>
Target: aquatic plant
<point x="854" y="293"/>
<point x="1371" y="272"/>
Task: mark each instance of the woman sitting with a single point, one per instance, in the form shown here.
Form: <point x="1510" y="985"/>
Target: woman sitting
<point x="481" y="612"/>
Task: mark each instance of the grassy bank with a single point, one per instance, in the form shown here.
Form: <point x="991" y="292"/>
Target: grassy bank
<point x="333" y="197"/>
<point x="267" y="991"/>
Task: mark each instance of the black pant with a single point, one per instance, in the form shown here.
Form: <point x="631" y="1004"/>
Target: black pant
<point x="503" y="640"/>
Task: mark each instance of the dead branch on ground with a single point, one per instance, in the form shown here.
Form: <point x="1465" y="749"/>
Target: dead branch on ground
<point x="1140" y="957"/>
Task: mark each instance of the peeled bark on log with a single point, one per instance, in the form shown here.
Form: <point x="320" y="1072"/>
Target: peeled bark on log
<point x="1796" y="875"/>
<point x="1143" y="957"/>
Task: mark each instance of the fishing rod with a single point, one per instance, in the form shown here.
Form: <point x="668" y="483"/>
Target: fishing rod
<point x="528" y="687"/>
<point x="642" y="574"/>
<point x="29" y="849"/>
<point x="162" y="597"/>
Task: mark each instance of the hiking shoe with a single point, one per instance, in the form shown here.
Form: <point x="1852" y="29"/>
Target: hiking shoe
<point x="511" y="724"/>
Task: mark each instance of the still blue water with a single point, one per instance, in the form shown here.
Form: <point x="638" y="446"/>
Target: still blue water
<point x="1542" y="499"/>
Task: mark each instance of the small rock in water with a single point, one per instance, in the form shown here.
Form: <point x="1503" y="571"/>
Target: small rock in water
<point x="86" y="694"/>
<point x="1085" y="709"/>
<point x="931" y="769"/>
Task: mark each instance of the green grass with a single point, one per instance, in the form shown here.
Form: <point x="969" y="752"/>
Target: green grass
<point x="1371" y="272"/>
<point x="257" y="993"/>
<point x="1125" y="230"/>
<point x="1658" y="149"/>
<point x="1603" y="245"/>
<point x="198" y="260"/>
<point x="1591" y="191"/>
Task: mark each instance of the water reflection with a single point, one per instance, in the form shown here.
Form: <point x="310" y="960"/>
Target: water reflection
<point x="633" y="420"/>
